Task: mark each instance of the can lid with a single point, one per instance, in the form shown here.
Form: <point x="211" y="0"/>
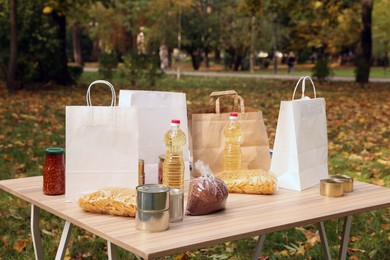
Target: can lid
<point x="54" y="150"/>
<point x="152" y="188"/>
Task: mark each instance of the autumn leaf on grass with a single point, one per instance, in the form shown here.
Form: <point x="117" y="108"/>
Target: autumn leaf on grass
<point x="67" y="255"/>
<point x="19" y="245"/>
<point x="183" y="256"/>
<point x="295" y="249"/>
<point x="385" y="227"/>
<point x="5" y="240"/>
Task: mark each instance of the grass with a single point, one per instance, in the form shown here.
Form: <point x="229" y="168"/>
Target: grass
<point x="358" y="132"/>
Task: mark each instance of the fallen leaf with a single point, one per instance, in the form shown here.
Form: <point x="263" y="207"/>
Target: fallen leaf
<point x="5" y="240"/>
<point x="354" y="239"/>
<point x="67" y="255"/>
<point x="19" y="245"/>
<point x="385" y="226"/>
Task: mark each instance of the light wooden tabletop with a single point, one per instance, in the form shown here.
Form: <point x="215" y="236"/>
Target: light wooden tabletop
<point x="245" y="216"/>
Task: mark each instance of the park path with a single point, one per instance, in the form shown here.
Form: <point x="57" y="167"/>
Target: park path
<point x="250" y="75"/>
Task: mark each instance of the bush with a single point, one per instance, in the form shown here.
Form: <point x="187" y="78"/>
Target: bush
<point x="138" y="67"/>
<point x="75" y="72"/>
<point x="107" y="63"/>
<point x="322" y="70"/>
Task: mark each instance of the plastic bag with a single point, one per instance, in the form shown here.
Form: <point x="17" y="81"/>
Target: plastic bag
<point x="113" y="201"/>
<point x="207" y="193"/>
<point x="249" y="181"/>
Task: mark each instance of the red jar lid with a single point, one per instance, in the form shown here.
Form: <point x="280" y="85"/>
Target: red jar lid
<point x="54" y="150"/>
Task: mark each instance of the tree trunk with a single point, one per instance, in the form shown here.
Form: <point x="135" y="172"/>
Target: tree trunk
<point x="364" y="62"/>
<point x="206" y="58"/>
<point x="62" y="75"/>
<point x="275" y="58"/>
<point x="237" y="62"/>
<point x="11" y="85"/>
<point x="196" y="58"/>
<point x="95" y="50"/>
<point x="217" y="56"/>
<point x="76" y="34"/>
<point x="252" y="47"/>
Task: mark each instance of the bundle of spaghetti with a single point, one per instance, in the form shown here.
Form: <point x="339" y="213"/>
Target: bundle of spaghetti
<point x="249" y="181"/>
<point x="114" y="201"/>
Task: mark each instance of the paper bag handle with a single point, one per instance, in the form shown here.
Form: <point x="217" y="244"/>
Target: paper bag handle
<point x="237" y="99"/>
<point x="113" y="95"/>
<point x="303" y="87"/>
<point x="223" y="93"/>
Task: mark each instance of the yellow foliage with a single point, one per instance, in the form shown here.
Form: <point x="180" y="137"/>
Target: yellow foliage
<point x="47" y="10"/>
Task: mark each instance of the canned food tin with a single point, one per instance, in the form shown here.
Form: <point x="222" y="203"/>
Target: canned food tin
<point x="161" y="160"/>
<point x="176" y="205"/>
<point x="331" y="188"/>
<point x="152" y="207"/>
<point x="347" y="182"/>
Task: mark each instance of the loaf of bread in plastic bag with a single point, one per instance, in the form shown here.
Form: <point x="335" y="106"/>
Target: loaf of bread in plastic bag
<point x="249" y="181"/>
<point x="113" y="201"/>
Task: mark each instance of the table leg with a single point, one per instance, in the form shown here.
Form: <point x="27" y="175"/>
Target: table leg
<point x="36" y="233"/>
<point x="64" y="241"/>
<point x="259" y="247"/>
<point x="345" y="238"/>
<point x="324" y="240"/>
<point x="112" y="251"/>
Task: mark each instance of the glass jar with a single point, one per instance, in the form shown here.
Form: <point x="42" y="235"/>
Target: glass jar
<point x="54" y="172"/>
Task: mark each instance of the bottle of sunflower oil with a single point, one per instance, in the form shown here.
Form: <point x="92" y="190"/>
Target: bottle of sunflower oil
<point x="173" y="167"/>
<point x="232" y="150"/>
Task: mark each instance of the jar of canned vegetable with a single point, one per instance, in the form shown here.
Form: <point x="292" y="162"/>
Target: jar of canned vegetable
<point x="54" y="172"/>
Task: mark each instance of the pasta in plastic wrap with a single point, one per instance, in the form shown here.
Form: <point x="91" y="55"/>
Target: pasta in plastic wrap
<point x="207" y="193"/>
<point x="249" y="181"/>
<point x="113" y="201"/>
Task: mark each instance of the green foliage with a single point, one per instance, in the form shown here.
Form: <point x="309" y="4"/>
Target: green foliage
<point x="322" y="70"/>
<point x="38" y="45"/>
<point x="137" y="67"/>
<point x="108" y="62"/>
<point x="75" y="72"/>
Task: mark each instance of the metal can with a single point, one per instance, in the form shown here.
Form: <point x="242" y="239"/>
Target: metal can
<point x="141" y="172"/>
<point x="161" y="160"/>
<point x="347" y="182"/>
<point x="152" y="212"/>
<point x="331" y="188"/>
<point x="176" y="205"/>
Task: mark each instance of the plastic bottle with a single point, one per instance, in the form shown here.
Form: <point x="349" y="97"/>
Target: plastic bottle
<point x="173" y="167"/>
<point x="232" y="150"/>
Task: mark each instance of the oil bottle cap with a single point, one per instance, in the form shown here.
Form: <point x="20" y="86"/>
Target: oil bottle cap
<point x="233" y="116"/>
<point x="175" y="122"/>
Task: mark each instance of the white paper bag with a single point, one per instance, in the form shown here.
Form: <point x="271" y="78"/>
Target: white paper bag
<point x="101" y="146"/>
<point x="155" y="111"/>
<point x="300" y="154"/>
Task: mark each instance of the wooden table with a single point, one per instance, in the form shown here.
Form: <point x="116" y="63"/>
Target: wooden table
<point x="245" y="216"/>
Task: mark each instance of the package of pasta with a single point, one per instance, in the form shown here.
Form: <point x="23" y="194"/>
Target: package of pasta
<point x="207" y="193"/>
<point x="249" y="181"/>
<point x="113" y="201"/>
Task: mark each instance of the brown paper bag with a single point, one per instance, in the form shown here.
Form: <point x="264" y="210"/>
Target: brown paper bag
<point x="206" y="133"/>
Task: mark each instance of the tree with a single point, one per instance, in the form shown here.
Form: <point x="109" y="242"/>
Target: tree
<point x="11" y="86"/>
<point x="380" y="29"/>
<point x="364" y="59"/>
